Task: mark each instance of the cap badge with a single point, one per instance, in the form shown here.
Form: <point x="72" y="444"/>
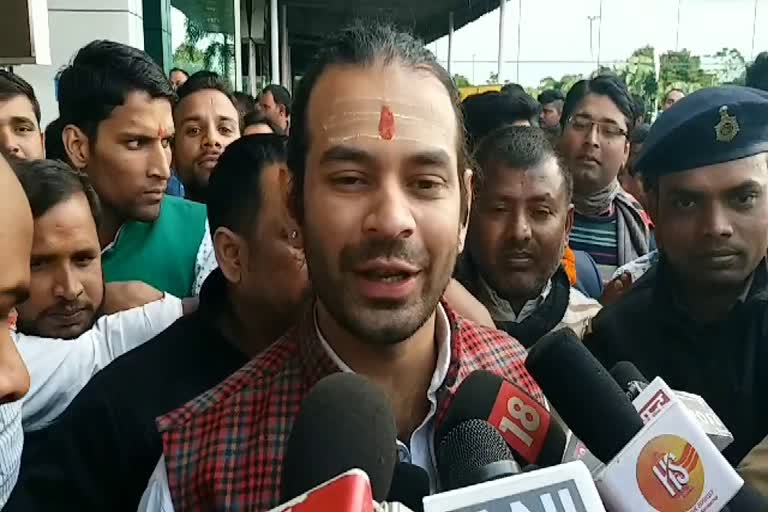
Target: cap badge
<point x="728" y="127"/>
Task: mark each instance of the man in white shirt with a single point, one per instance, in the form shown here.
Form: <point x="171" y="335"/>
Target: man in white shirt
<point x="63" y="334"/>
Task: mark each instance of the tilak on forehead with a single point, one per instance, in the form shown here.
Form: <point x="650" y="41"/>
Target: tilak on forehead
<point x="386" y="123"/>
<point x="162" y="132"/>
<point x="382" y="119"/>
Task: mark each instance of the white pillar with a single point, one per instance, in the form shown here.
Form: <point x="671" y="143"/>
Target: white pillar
<point x="73" y="24"/>
<point x="238" y="37"/>
<point x="274" y="41"/>
<point x="502" y="13"/>
<point x="252" y="67"/>
<point x="284" y="46"/>
<point x="450" y="41"/>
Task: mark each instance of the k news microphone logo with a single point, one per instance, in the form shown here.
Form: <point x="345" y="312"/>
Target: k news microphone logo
<point x="670" y="474"/>
<point x="560" y="497"/>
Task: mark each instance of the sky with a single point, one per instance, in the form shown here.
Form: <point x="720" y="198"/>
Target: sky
<point x="555" y="36"/>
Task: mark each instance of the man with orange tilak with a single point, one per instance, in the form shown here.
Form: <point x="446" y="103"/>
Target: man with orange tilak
<point x="381" y="192"/>
<point x="115" y="105"/>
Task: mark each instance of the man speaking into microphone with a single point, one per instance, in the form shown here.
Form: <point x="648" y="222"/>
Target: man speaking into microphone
<point x="382" y="193"/>
<point x="699" y="318"/>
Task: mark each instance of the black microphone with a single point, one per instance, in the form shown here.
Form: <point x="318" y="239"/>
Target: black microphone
<point x="410" y="484"/>
<point x="534" y="436"/>
<point x="629" y="378"/>
<point x="473" y="452"/>
<point x="594" y="406"/>
<point x="575" y="382"/>
<point x="345" y="422"/>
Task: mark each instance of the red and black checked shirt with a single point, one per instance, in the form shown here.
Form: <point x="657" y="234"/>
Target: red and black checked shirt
<point x="224" y="450"/>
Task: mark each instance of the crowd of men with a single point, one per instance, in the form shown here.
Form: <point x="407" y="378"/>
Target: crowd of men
<point x="183" y="263"/>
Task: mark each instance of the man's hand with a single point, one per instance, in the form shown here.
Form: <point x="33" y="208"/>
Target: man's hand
<point x="127" y="295"/>
<point x="615" y="289"/>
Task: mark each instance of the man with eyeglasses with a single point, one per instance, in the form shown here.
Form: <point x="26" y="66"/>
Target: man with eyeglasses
<point x="609" y="223"/>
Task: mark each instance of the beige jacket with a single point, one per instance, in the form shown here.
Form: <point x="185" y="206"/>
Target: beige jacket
<point x="581" y="310"/>
<point x="754" y="468"/>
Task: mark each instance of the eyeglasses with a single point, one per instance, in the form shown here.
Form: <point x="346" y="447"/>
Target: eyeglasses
<point x="608" y="131"/>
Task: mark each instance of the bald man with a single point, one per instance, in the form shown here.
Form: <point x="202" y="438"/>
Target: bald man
<point x="16" y="241"/>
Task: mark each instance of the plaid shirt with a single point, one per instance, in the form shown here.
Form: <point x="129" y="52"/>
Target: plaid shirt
<point x="224" y="450"/>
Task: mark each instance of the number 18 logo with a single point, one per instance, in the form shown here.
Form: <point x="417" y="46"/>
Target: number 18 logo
<point x="522" y="421"/>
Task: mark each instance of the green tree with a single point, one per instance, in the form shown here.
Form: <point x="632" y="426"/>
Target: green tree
<point x="639" y="73"/>
<point x="217" y="56"/>
<point x="461" y="81"/>
<point x="730" y="65"/>
<point x="681" y="70"/>
<point x="493" y="78"/>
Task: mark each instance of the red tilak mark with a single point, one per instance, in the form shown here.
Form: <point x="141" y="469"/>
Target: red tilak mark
<point x="161" y="133"/>
<point x="386" y="124"/>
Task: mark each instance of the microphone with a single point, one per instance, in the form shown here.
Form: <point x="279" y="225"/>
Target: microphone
<point x="410" y="484"/>
<point x="526" y="426"/>
<point x="347" y="492"/>
<point x="345" y="422"/>
<point x="643" y="397"/>
<point x="576" y="383"/>
<point x="471" y="453"/>
<point x="629" y="378"/>
<point x="666" y="464"/>
<point x="477" y="470"/>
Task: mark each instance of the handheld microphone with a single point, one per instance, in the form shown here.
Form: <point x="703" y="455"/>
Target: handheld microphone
<point x="629" y="378"/>
<point x="534" y="436"/>
<point x="345" y="422"/>
<point x="666" y="464"/>
<point x="644" y="396"/>
<point x="347" y="492"/>
<point x="471" y="453"/>
<point x="590" y="402"/>
<point x="477" y="470"/>
<point x="410" y="484"/>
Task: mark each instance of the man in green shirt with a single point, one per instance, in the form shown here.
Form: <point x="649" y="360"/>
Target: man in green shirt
<point x="115" y="105"/>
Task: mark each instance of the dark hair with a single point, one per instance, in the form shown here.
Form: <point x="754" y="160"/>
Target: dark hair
<point x="244" y="102"/>
<point x="182" y="71"/>
<point x="512" y="88"/>
<point x="640" y="133"/>
<point x="550" y="96"/>
<point x="638" y="103"/>
<point x="604" y="85"/>
<point x="234" y="190"/>
<point x="208" y="80"/>
<point x="12" y="85"/>
<point x="757" y="73"/>
<point x="484" y="113"/>
<point x="48" y="183"/>
<point x="100" y="77"/>
<point x="363" y="45"/>
<point x="281" y="95"/>
<point x="54" y="143"/>
<point x="519" y="147"/>
<point x="257" y="117"/>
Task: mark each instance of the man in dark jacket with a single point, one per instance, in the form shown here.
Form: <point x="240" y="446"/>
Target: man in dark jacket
<point x="699" y="317"/>
<point x="101" y="452"/>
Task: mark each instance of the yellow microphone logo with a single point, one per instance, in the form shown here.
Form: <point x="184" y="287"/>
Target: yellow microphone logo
<point x="670" y="474"/>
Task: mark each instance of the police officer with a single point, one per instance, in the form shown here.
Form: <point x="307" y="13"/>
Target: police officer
<point x="699" y="317"/>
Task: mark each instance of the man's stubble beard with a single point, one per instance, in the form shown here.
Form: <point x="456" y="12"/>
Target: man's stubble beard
<point x="331" y="295"/>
